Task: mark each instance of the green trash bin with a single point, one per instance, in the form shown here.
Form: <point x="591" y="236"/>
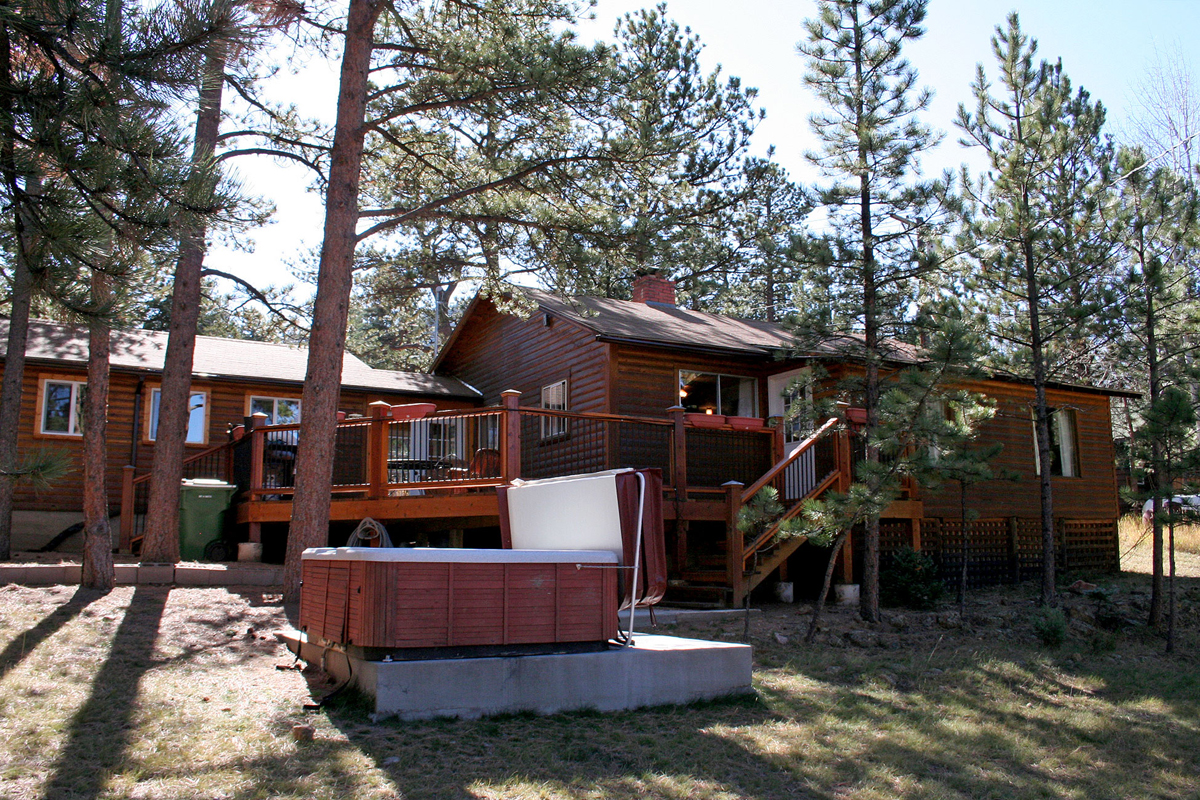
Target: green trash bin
<point x="202" y="507"/>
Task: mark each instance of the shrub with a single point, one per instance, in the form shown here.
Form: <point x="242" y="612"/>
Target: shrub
<point x="1050" y="625"/>
<point x="910" y="580"/>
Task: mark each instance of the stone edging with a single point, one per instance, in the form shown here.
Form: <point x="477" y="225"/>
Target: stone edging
<point x="163" y="574"/>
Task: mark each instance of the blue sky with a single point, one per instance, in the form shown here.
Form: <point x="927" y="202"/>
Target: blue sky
<point x="1106" y="46"/>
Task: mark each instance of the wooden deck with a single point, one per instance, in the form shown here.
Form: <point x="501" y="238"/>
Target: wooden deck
<point x="443" y="468"/>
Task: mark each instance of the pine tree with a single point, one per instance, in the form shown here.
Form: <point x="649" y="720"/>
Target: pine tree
<point x="533" y="108"/>
<point x="245" y="27"/>
<point x="879" y="210"/>
<point x="89" y="160"/>
<point x="1156" y="213"/>
<point x="1033" y="223"/>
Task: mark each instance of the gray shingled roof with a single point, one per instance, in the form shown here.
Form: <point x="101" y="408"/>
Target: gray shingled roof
<point x="663" y="324"/>
<point x="142" y="350"/>
<point x="670" y="326"/>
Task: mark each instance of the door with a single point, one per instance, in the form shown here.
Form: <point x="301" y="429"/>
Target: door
<point x="790" y="395"/>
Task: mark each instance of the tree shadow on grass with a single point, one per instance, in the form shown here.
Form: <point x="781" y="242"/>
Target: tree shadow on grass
<point x="998" y="730"/>
<point x="99" y="732"/>
<point x="26" y="642"/>
<point x="665" y="752"/>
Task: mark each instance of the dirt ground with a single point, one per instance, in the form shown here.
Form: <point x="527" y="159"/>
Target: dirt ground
<point x="152" y="693"/>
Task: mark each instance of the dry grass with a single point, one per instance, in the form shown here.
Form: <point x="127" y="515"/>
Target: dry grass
<point x="1134" y="531"/>
<point x="1136" y="546"/>
<point x="154" y="694"/>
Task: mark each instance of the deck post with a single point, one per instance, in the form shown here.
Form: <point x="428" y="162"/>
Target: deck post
<point x="679" y="454"/>
<point x="734" y="565"/>
<point x="510" y="453"/>
<point x="843" y="485"/>
<point x="377" y="450"/>
<point x="777" y="442"/>
<point x="127" y="510"/>
<point x="257" y="452"/>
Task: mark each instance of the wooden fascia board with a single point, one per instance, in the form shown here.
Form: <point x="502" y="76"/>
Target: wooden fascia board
<point x="757" y="354"/>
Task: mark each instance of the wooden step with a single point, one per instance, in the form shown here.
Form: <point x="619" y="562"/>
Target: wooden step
<point x="703" y="576"/>
<point x="697" y="596"/>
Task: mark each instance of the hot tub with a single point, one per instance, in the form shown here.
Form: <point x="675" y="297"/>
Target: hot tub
<point x="404" y="600"/>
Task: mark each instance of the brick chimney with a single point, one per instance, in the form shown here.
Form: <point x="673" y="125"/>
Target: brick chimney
<point x="653" y="289"/>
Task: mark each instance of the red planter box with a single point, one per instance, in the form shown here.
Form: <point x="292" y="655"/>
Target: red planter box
<point x="747" y="423"/>
<point x="705" y="420"/>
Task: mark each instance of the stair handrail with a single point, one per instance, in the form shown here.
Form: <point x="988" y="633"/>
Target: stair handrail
<point x="756" y="545"/>
<point x="776" y="470"/>
<point x="145" y="476"/>
<point x="751" y="549"/>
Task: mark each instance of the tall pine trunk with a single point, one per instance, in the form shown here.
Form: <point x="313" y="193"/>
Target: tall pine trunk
<point x="869" y="589"/>
<point x="97" y="537"/>
<point x="1042" y="426"/>
<point x="10" y="393"/>
<point x="1156" y="451"/>
<point x="1041" y="410"/>
<point x="335" y="278"/>
<point x="22" y="297"/>
<point x="161" y="541"/>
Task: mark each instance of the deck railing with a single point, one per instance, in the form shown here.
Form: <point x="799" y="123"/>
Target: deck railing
<point x="380" y="456"/>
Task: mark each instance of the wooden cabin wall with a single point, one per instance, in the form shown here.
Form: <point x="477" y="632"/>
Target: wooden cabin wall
<point x="494" y="352"/>
<point x="646" y="380"/>
<point x="227" y="406"/>
<point x="1092" y="495"/>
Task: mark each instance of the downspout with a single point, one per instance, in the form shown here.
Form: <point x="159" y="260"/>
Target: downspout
<point x="137" y="421"/>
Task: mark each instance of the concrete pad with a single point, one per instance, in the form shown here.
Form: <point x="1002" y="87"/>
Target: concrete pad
<point x="656" y="670"/>
<point x="156" y="573"/>
<point x="665" y="615"/>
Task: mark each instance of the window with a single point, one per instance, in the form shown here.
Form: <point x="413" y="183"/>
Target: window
<point x="710" y="393"/>
<point x="554" y="397"/>
<point x="1064" y="450"/>
<point x="279" y="410"/>
<point x="197" y="428"/>
<point x="62" y="407"/>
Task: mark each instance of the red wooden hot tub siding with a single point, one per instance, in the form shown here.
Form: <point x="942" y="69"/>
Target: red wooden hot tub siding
<point x="417" y="604"/>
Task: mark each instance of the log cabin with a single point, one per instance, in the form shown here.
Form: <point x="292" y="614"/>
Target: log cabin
<point x="718" y="378"/>
<point x="232" y="380"/>
<point x="589" y="383"/>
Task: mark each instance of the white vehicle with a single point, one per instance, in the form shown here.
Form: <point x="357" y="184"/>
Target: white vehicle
<point x="1180" y="502"/>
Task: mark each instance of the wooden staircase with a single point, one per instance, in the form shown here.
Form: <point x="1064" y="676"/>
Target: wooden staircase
<point x="820" y="464"/>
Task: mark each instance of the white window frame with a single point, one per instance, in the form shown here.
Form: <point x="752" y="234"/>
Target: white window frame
<point x="152" y="416"/>
<point x="554" y="398"/>
<point x="75" y="419"/>
<point x="1066" y="422"/>
<point x="274" y="406"/>
<point x="753" y="398"/>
